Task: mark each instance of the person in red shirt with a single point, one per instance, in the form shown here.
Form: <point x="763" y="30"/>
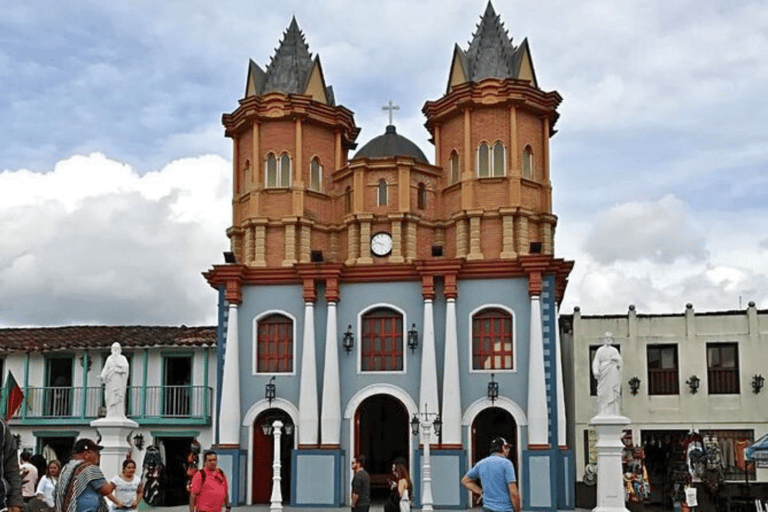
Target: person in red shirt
<point x="208" y="491"/>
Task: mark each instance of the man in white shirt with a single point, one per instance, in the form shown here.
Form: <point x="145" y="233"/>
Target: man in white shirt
<point x="28" y="476"/>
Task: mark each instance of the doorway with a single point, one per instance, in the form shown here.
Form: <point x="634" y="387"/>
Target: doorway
<point x="381" y="434"/>
<point x="177" y="378"/>
<point x="263" y="452"/>
<point x="175" y="472"/>
<point x="489" y="424"/>
<point x="58" y="382"/>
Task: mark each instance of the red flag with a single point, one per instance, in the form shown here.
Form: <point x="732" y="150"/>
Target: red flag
<point x="15" y="396"/>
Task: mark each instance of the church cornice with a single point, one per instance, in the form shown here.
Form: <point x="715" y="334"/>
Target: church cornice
<point x="492" y="92"/>
<point x="279" y="106"/>
<point x="525" y="266"/>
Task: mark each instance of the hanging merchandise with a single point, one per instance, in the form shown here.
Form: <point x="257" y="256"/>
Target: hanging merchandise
<point x="153" y="472"/>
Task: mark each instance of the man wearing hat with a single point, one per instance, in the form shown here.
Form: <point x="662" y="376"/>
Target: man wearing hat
<point x="497" y="477"/>
<point x="82" y="485"/>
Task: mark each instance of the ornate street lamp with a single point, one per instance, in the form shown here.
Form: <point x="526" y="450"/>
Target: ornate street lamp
<point x="413" y="338"/>
<point x="348" y="340"/>
<point x="270" y="390"/>
<point x="634" y="385"/>
<point x="428" y="421"/>
<point x="693" y="383"/>
<point x="493" y="390"/>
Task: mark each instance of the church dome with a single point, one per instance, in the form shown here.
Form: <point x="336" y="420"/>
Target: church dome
<point x="389" y="145"/>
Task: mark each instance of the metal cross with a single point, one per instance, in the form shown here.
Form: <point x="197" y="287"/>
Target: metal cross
<point x="391" y="109"/>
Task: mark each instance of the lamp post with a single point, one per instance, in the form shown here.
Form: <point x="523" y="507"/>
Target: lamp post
<point x="276" y="429"/>
<point x="428" y="421"/>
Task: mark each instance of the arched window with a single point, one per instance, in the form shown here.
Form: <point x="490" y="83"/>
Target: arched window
<point x="483" y="160"/>
<point x="274" y="344"/>
<point x="492" y="337"/>
<point x="246" y="174"/>
<point x="382" y="340"/>
<point x="498" y="159"/>
<point x="421" y="197"/>
<point x="278" y="171"/>
<point x="528" y="163"/>
<point x="453" y="165"/>
<point x="271" y="171"/>
<point x="348" y="200"/>
<point x="382" y="192"/>
<point x="285" y="170"/>
<point x="315" y="174"/>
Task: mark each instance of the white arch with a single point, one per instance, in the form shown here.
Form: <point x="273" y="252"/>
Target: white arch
<point x="248" y="419"/>
<point x="521" y="420"/>
<point x="378" y="389"/>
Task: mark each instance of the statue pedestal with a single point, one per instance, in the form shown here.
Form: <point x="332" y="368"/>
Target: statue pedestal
<point x="115" y="438"/>
<point x="610" y="477"/>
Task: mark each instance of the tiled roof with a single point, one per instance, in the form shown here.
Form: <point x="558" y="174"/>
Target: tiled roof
<point x="97" y="336"/>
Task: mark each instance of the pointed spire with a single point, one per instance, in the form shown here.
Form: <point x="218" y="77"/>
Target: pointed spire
<point x="491" y="52"/>
<point x="289" y="69"/>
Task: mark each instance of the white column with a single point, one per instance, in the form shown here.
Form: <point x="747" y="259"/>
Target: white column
<point x="538" y="417"/>
<point x="229" y="415"/>
<point x="428" y="386"/>
<point x="330" y="414"/>
<point x="277" y="493"/>
<point x="426" y="468"/>
<point x="451" y="415"/>
<point x="561" y="423"/>
<point x="308" y="419"/>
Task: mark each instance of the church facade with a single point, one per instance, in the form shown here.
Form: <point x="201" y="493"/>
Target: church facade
<point x="370" y="289"/>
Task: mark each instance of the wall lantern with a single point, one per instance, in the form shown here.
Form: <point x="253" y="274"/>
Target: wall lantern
<point x="757" y="383"/>
<point x="138" y="441"/>
<point x="268" y="428"/>
<point x="693" y="383"/>
<point x="415" y="425"/>
<point x="493" y="390"/>
<point x="413" y="338"/>
<point x="634" y="385"/>
<point x="269" y="391"/>
<point x="437" y="424"/>
<point x="349" y="339"/>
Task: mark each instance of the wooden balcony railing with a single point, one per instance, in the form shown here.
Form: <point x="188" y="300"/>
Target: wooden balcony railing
<point x="723" y="381"/>
<point x="142" y="404"/>
<point x="663" y="382"/>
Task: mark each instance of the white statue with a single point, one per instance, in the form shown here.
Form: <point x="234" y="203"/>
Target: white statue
<point x="115" y="378"/>
<point x="606" y="368"/>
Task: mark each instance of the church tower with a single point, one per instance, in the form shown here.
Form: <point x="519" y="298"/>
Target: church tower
<point x="491" y="132"/>
<point x="370" y="293"/>
<point x="289" y="136"/>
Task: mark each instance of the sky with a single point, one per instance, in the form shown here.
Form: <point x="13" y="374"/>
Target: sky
<point x="115" y="175"/>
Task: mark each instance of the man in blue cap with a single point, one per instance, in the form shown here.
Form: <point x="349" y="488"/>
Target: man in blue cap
<point x="497" y="478"/>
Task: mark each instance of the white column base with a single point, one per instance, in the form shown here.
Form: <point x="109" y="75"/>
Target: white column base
<point x="114" y="438"/>
<point x="610" y="478"/>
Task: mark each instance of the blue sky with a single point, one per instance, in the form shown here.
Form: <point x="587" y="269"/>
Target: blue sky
<point x="115" y="177"/>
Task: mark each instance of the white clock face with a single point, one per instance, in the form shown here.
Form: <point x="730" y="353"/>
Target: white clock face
<point x="381" y="244"/>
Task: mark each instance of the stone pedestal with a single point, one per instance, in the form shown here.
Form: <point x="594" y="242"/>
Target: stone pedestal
<point x="610" y="479"/>
<point x="114" y="434"/>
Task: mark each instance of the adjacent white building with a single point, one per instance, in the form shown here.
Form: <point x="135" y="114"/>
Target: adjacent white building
<point x="683" y="374"/>
<point x="170" y="390"/>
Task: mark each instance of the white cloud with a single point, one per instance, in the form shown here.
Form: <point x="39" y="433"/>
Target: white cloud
<point x="660" y="232"/>
<point x="92" y="241"/>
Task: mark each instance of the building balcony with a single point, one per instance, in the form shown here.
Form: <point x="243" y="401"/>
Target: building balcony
<point x="150" y="405"/>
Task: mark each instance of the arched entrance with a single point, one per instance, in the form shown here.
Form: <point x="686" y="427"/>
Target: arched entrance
<point x="381" y="434"/>
<point x="488" y="424"/>
<point x="263" y="450"/>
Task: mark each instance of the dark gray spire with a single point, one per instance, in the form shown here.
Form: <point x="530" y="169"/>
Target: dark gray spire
<point x="491" y="53"/>
<point x="290" y="67"/>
